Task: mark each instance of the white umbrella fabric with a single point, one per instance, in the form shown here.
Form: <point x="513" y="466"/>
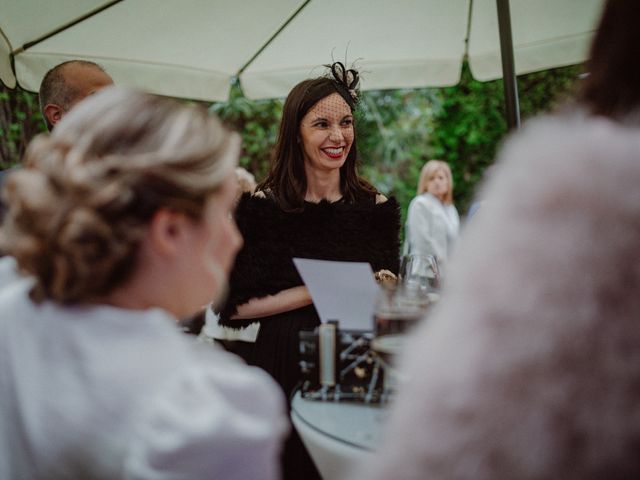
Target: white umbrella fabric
<point x="193" y="48"/>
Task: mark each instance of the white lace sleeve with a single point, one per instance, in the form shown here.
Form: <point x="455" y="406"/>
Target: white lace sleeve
<point x="213" y="330"/>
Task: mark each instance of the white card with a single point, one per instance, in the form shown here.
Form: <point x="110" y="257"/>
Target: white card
<point x="343" y="291"/>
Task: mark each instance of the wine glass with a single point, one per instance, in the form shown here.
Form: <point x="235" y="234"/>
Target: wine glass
<point x="398" y="310"/>
<point x="420" y="272"/>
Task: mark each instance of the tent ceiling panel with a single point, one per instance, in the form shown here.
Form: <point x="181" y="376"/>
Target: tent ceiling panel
<point x="546" y="33"/>
<point x="192" y="48"/>
<point x="187" y="49"/>
<point x="406" y="43"/>
<point x="23" y="21"/>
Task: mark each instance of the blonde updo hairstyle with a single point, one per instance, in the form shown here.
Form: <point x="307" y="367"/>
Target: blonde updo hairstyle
<point x="79" y="209"/>
<point x="430" y="169"/>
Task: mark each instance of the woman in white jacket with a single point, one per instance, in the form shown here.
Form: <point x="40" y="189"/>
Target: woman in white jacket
<point x="121" y="221"/>
<point x="432" y="219"/>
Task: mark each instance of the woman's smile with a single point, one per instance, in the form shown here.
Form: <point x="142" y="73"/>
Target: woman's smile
<point x="334" y="152"/>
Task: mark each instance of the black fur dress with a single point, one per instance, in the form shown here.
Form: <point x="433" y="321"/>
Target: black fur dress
<point x="362" y="231"/>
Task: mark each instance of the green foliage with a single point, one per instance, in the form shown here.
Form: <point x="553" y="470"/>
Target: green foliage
<point x="470" y="125"/>
<point x="20" y="120"/>
<point x="394" y="128"/>
<point x="471" y="122"/>
<point x="398" y="130"/>
<point x="545" y="91"/>
<point x="257" y="122"/>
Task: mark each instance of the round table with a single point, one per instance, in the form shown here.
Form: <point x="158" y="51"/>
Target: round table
<point x="337" y="434"/>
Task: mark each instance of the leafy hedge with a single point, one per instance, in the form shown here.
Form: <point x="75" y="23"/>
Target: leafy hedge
<point x="20" y="121"/>
<point x="471" y="121"/>
<point x="398" y="130"/>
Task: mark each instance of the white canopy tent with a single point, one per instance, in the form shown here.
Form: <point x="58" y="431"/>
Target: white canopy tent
<point x="193" y="48"/>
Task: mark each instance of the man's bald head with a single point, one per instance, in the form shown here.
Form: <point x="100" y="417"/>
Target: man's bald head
<point x="66" y="84"/>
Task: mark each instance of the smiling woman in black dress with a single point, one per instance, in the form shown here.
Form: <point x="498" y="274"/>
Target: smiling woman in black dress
<point x="312" y="204"/>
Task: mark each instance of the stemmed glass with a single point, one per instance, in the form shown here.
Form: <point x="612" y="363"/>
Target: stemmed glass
<point x="398" y="311"/>
<point x="400" y="308"/>
<point x="420" y="272"/>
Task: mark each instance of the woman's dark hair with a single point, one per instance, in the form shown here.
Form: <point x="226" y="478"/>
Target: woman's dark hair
<point x="287" y="180"/>
<point x="612" y="88"/>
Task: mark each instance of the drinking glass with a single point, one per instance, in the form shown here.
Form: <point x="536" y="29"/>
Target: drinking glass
<point x="398" y="310"/>
<point x="420" y="272"/>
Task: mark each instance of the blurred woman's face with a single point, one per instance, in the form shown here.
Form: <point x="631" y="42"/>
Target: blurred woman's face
<point x="326" y="133"/>
<point x="211" y="249"/>
<point x="438" y="185"/>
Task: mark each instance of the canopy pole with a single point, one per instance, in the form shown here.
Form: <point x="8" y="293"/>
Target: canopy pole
<point x="508" y="65"/>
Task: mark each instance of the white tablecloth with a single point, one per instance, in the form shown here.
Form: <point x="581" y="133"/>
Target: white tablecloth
<point x="337" y="434"/>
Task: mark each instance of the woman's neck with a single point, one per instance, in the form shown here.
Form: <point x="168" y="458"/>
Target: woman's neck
<point x="322" y="186"/>
<point x="131" y="296"/>
<point x="441" y="198"/>
<point x="143" y="290"/>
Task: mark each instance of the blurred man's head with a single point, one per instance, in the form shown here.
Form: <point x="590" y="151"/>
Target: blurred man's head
<point x="66" y="84"/>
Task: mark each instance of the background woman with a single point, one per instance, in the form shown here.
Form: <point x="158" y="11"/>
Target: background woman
<point x="313" y="204"/>
<point x="432" y="219"/>
<point x="121" y="221"/>
<point x="530" y="368"/>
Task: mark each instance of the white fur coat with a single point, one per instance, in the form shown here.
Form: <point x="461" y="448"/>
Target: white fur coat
<point x="530" y="366"/>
